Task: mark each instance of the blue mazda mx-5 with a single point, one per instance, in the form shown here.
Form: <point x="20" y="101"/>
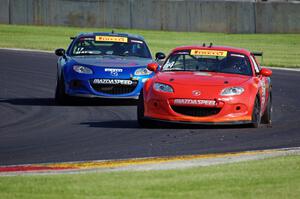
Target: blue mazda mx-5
<point x="106" y="65"/>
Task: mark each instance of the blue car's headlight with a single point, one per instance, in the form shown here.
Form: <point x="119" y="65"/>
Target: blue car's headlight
<point x="142" y="71"/>
<point x="82" y="69"/>
<point x="231" y="91"/>
<point x="163" y="87"/>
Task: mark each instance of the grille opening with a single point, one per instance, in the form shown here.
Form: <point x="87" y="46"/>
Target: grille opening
<point x="196" y="111"/>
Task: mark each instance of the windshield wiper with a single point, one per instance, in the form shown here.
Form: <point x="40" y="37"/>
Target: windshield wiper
<point x="86" y="54"/>
<point x="205" y="70"/>
<point x="175" y="70"/>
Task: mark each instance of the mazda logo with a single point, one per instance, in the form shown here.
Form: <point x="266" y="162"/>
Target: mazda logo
<point x="196" y="92"/>
<point x="114" y="73"/>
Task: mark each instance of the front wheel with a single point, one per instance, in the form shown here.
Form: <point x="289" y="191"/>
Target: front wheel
<point x="267" y="117"/>
<point x="61" y="97"/>
<point x="140" y="112"/>
<point x="256" y="118"/>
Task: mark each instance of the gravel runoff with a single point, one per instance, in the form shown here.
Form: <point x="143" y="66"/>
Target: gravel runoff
<point x="177" y="164"/>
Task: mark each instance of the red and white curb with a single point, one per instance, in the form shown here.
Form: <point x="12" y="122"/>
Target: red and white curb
<point x="138" y="164"/>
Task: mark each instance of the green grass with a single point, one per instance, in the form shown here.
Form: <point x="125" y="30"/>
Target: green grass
<point x="271" y="178"/>
<point x="279" y="49"/>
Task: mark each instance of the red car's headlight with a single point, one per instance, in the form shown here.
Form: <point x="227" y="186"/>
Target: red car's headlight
<point x="163" y="87"/>
<point x="231" y="91"/>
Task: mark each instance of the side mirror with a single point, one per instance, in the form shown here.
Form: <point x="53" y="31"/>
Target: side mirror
<point x="152" y="67"/>
<point x="60" y="52"/>
<point x="159" y="56"/>
<point x="265" y="72"/>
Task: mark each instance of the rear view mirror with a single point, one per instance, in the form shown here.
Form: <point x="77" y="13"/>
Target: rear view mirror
<point x="265" y="72"/>
<point x="60" y="52"/>
<point x="152" y="67"/>
<point x="159" y="56"/>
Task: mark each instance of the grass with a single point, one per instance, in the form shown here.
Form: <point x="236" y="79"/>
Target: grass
<point x="279" y="49"/>
<point x="271" y="178"/>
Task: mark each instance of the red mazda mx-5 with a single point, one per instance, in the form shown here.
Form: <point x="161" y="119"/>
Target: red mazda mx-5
<point x="207" y="85"/>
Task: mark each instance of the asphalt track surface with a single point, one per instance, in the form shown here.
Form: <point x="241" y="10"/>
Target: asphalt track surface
<point x="35" y="130"/>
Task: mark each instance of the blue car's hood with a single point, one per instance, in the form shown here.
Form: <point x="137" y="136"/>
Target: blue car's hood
<point x="111" y="61"/>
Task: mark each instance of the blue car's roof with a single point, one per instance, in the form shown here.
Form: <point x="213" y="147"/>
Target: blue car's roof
<point x="132" y="36"/>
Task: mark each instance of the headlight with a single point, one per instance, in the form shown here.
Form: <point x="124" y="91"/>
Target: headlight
<point x="82" y="69"/>
<point x="142" y="71"/>
<point x="163" y="87"/>
<point x="232" y="91"/>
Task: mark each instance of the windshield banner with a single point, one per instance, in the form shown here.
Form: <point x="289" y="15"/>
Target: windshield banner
<point x="112" y="39"/>
<point x="219" y="53"/>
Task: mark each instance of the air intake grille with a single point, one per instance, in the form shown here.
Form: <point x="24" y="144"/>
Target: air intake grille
<point x="196" y="111"/>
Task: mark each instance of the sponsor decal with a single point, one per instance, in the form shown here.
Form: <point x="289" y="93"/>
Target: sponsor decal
<point x="195" y="102"/>
<point x="111" y="39"/>
<point x="114" y="71"/>
<point x="113" y="81"/>
<point x="263" y="93"/>
<point x="169" y="65"/>
<point x="219" y="53"/>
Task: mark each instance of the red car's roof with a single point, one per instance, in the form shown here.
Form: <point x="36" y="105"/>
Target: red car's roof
<point x="225" y="48"/>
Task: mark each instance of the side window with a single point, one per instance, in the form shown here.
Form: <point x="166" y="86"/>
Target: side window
<point x="256" y="67"/>
<point x="179" y="63"/>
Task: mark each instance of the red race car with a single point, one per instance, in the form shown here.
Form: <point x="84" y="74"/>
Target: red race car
<point x="207" y="85"/>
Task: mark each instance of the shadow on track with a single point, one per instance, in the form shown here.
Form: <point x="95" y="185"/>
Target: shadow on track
<point x="133" y="124"/>
<point x="74" y="102"/>
<point x="29" y="101"/>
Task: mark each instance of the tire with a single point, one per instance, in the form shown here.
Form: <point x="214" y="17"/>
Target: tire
<point x="267" y="116"/>
<point x="140" y="112"/>
<point x="256" y="118"/>
<point x="61" y="98"/>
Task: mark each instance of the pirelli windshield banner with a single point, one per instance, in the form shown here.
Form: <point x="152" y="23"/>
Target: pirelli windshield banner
<point x="219" y="53"/>
<point x="111" y="39"/>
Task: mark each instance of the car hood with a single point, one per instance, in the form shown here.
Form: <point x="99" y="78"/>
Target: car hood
<point x="111" y="61"/>
<point x="201" y="78"/>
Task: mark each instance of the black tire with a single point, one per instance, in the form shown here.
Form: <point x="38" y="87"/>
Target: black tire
<point x="140" y="112"/>
<point x="61" y="97"/>
<point x="256" y="118"/>
<point x="267" y="116"/>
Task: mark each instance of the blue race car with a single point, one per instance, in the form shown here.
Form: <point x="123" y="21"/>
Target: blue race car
<point x="106" y="65"/>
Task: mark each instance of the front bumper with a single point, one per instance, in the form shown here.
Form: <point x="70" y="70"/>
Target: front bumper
<point x="86" y="88"/>
<point x="228" y="110"/>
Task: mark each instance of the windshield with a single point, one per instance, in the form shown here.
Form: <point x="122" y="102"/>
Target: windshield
<point x="208" y="60"/>
<point x="108" y="45"/>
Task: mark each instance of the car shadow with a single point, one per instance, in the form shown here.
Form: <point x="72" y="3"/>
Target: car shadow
<point x="29" y="101"/>
<point x="74" y="102"/>
<point x="133" y="124"/>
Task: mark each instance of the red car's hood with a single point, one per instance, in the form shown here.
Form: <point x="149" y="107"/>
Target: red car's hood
<point x="201" y="78"/>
